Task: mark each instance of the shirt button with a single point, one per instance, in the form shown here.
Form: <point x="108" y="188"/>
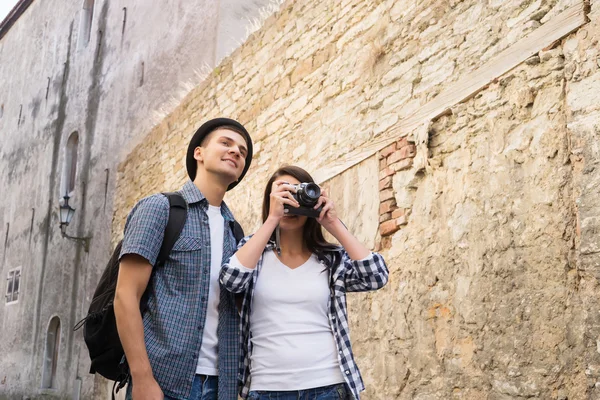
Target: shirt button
<point x="340" y="352"/>
<point x="347" y="372"/>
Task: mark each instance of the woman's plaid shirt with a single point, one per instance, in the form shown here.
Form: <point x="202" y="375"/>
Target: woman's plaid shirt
<point x="345" y="275"/>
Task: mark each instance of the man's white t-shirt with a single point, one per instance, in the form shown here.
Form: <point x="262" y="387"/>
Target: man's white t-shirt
<point x="208" y="360"/>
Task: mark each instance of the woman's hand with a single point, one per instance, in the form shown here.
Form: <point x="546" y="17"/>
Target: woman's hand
<point x="328" y="216"/>
<point x="281" y="194"/>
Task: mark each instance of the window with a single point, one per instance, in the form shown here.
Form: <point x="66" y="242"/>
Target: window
<point x="70" y="168"/>
<point x="85" y="22"/>
<point x="1" y="110"/>
<point x="12" y="285"/>
<point x="51" y="354"/>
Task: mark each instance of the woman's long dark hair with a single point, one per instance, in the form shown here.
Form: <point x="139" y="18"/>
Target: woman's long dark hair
<point x="312" y="233"/>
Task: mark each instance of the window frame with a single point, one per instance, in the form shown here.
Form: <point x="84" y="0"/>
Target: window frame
<point x="13" y="275"/>
<point x="50" y="367"/>
<point x="69" y="174"/>
<point x="86" y="21"/>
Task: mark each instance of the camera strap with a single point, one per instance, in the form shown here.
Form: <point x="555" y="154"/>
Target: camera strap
<point x="277" y="240"/>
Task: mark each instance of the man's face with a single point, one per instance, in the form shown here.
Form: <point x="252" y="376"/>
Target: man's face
<point x="223" y="153"/>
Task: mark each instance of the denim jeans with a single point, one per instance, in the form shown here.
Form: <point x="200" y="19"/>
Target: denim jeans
<point x="203" y="388"/>
<point x="331" y="392"/>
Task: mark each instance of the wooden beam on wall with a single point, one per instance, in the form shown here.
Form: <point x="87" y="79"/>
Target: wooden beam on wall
<point x="466" y="87"/>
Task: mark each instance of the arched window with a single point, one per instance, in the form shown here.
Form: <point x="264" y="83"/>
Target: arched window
<point x="85" y="22"/>
<point x="70" y="169"/>
<point x="51" y="354"/>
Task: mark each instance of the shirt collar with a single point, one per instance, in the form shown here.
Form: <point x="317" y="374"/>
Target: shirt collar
<point x="192" y="195"/>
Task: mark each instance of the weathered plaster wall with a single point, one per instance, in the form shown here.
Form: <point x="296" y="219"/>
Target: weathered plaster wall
<point x="53" y="83"/>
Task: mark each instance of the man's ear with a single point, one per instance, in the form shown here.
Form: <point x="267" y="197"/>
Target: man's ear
<point x="199" y="154"/>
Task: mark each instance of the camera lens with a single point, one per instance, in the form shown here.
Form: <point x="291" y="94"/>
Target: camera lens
<point x="308" y="194"/>
<point x="313" y="191"/>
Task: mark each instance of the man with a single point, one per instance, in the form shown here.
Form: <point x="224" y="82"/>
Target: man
<point x="185" y="346"/>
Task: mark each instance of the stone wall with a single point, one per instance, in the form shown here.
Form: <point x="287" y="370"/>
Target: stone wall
<point x="489" y="230"/>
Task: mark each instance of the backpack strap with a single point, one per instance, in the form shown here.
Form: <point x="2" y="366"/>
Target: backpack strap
<point x="177" y="217"/>
<point x="238" y="231"/>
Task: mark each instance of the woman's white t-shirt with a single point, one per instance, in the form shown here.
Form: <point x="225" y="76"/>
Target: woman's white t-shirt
<point x="293" y="344"/>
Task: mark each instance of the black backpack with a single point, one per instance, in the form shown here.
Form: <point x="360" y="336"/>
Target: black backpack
<point x="99" y="326"/>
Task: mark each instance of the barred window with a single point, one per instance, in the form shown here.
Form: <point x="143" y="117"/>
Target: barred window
<point x="12" y="285"/>
<point x="85" y="22"/>
<point x="70" y="167"/>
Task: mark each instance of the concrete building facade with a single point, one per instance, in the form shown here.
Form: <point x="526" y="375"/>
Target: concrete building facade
<point x="80" y="81"/>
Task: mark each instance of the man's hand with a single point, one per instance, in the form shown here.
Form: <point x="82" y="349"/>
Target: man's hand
<point x="146" y="389"/>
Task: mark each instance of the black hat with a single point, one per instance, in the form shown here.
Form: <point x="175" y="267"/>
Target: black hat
<point x="206" y="128"/>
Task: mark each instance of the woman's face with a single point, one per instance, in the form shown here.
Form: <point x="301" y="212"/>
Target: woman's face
<point x="291" y="222"/>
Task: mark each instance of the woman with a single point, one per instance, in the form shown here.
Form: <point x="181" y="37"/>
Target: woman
<point x="295" y="336"/>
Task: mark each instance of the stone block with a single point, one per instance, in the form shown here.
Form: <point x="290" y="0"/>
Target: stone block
<point x="385" y="183"/>
<point x="383" y="164"/>
<point x="386" y="172"/>
<point x="303" y="69"/>
<point x="387" y="150"/>
<point x="585" y="94"/>
<point x="398" y="213"/>
<point x="402" y="165"/>
<point x="296" y="107"/>
<point x="407" y="71"/>
<point x="387" y="206"/>
<point x="386" y="122"/>
<point x="386" y="194"/>
<point x="388" y="227"/>
<point x="385" y="217"/>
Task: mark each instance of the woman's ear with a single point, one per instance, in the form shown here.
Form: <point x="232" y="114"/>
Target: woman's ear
<point x="198" y="154"/>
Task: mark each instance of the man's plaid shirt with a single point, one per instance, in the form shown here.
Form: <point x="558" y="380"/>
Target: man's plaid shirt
<point x="345" y="275"/>
<point x="178" y="294"/>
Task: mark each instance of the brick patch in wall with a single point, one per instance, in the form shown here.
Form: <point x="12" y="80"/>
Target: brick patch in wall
<point x="396" y="157"/>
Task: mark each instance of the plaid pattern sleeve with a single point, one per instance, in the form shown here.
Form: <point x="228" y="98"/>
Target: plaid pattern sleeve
<point x="145" y="228"/>
<point x="370" y="273"/>
<point x="234" y="277"/>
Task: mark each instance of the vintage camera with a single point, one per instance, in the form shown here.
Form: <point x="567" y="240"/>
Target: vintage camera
<point x="307" y="195"/>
